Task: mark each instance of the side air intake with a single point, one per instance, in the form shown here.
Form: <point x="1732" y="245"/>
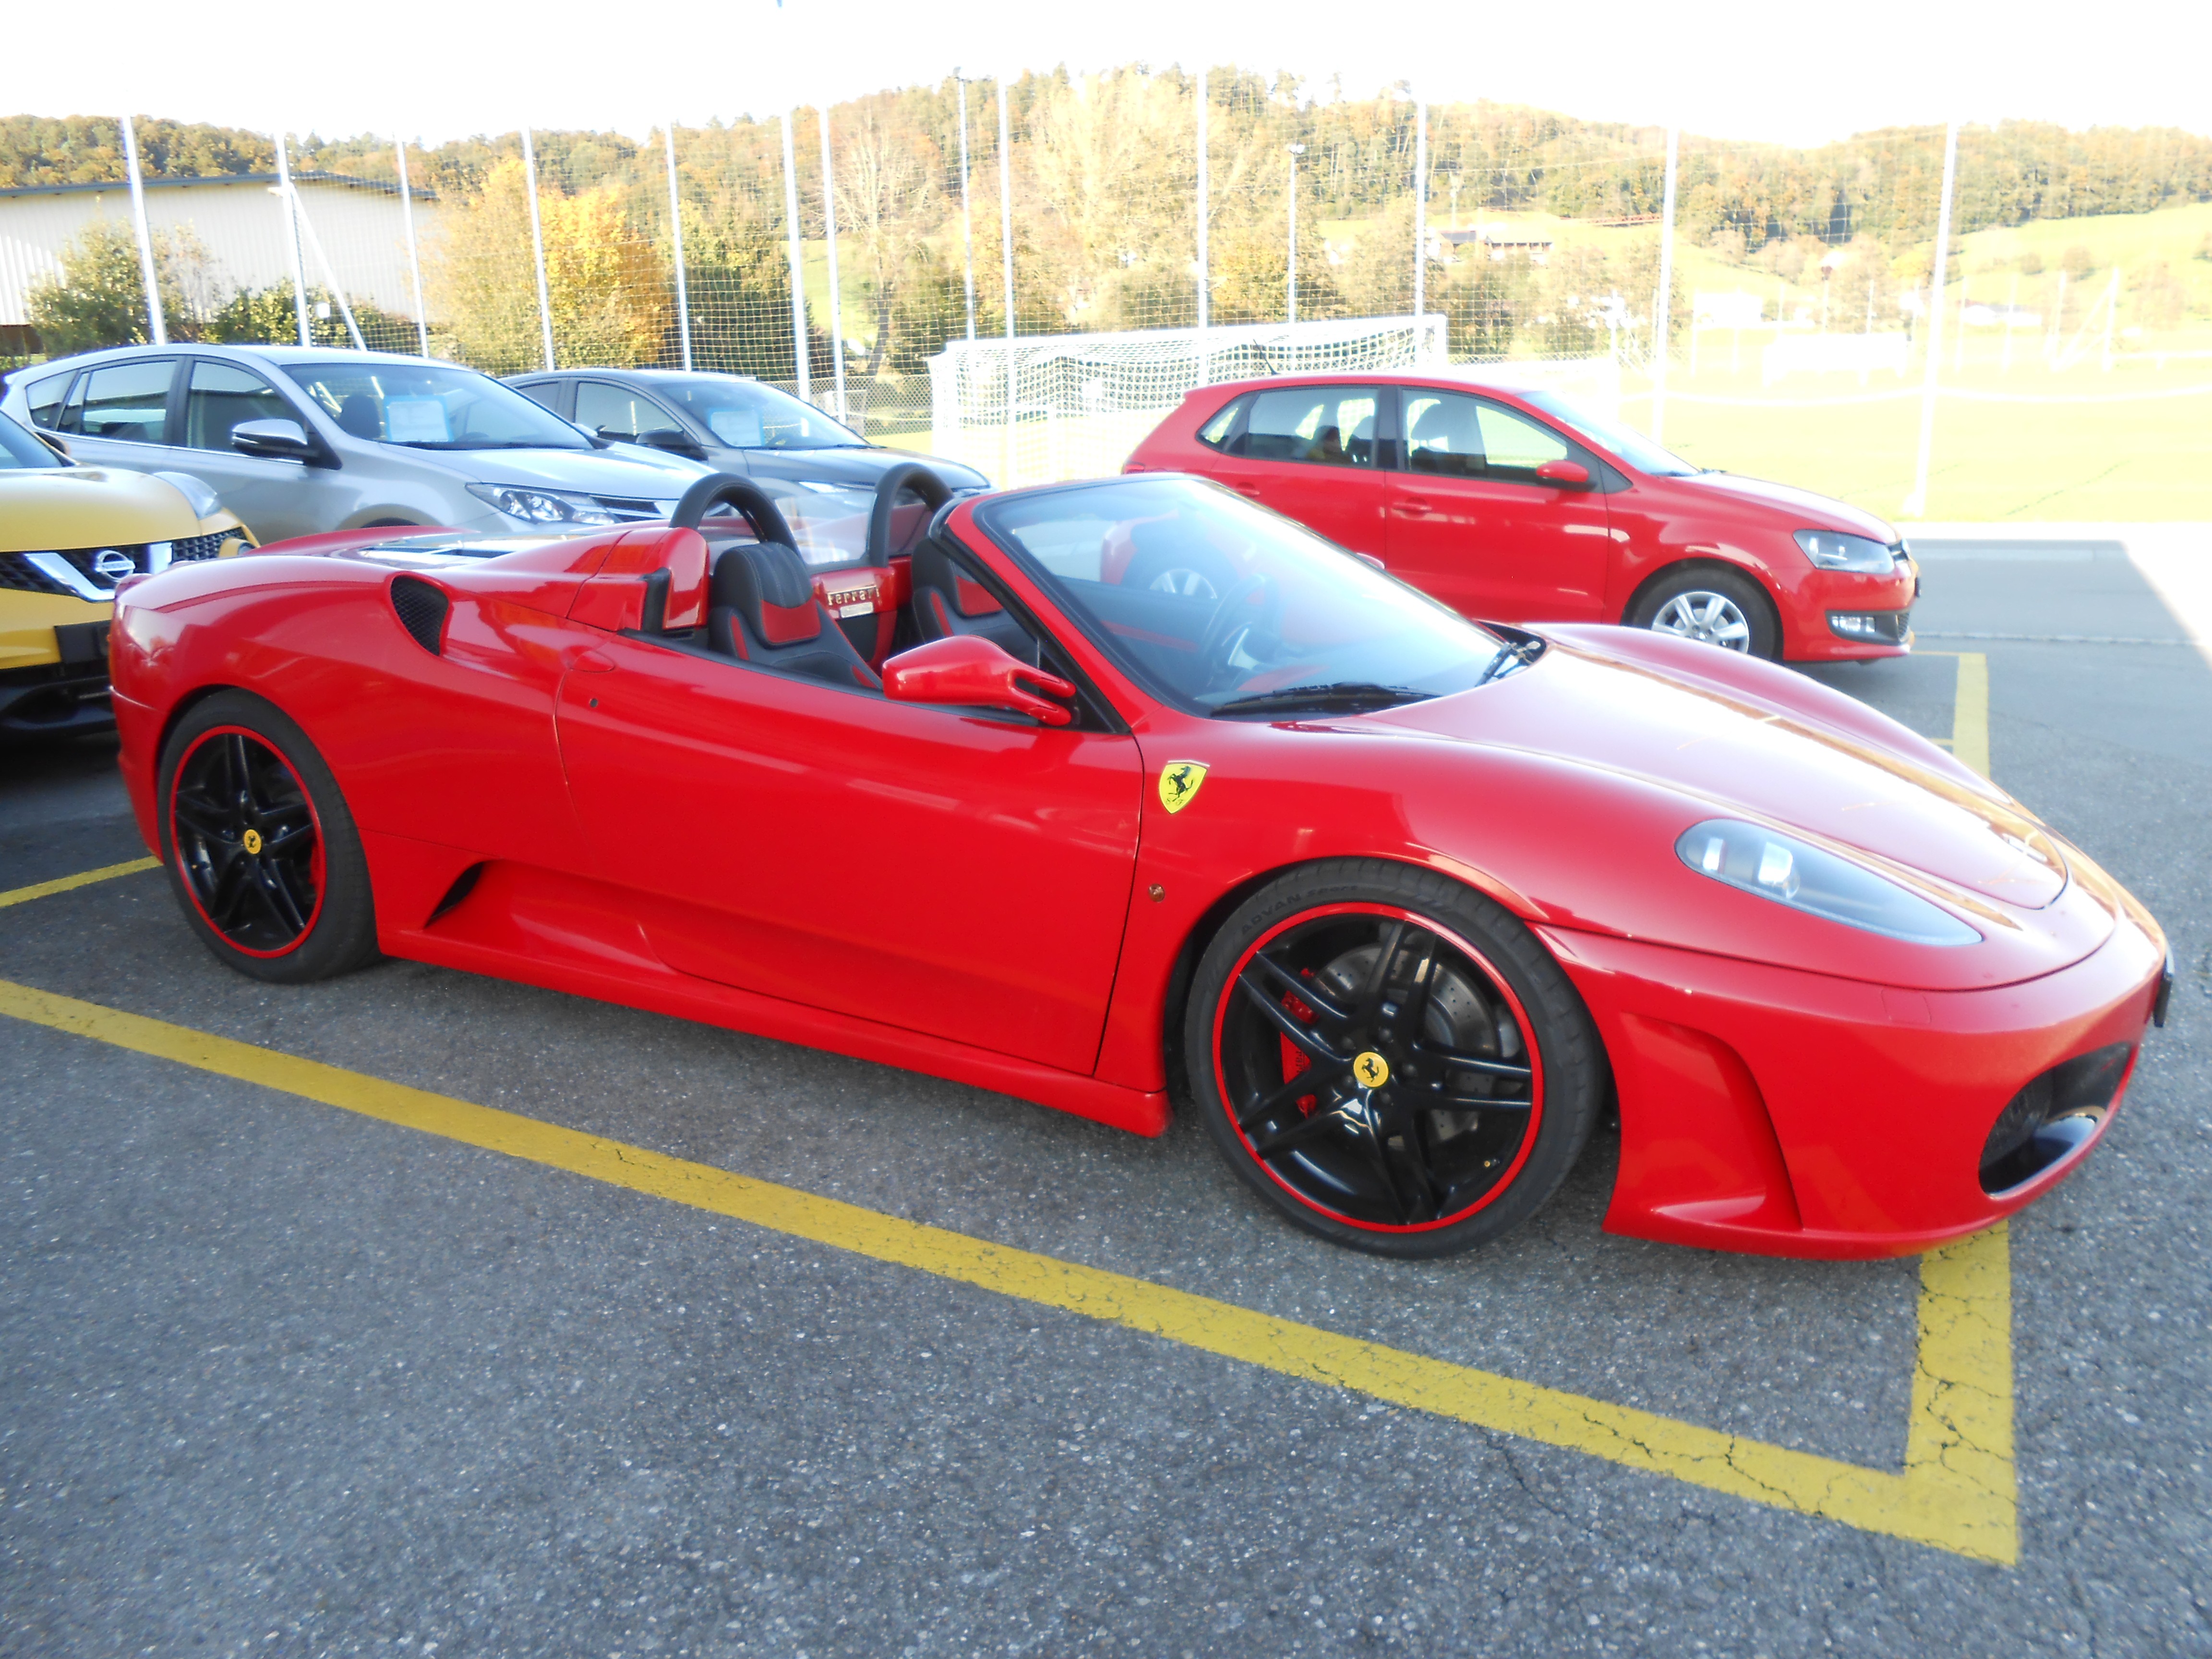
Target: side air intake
<point x="420" y="608"/>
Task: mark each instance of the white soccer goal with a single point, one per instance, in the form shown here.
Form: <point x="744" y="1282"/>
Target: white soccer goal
<point x="1044" y="407"/>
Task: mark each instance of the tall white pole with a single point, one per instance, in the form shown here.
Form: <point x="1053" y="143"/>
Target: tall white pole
<point x="836" y="301"/>
<point x="292" y="239"/>
<point x="1205" y="269"/>
<point x="798" y="354"/>
<point x="1420" y="212"/>
<point x="675" y="231"/>
<point x="414" y="255"/>
<point x="967" y="228"/>
<point x="1663" y="323"/>
<point x="1007" y="253"/>
<point x="1296" y="151"/>
<point x="537" y="246"/>
<point x="157" y="329"/>
<point x="1915" y="504"/>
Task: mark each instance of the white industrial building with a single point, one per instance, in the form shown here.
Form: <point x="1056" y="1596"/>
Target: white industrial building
<point x="354" y="236"/>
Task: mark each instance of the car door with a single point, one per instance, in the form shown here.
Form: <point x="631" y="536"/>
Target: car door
<point x="1472" y="523"/>
<point x="275" y="498"/>
<point x="118" y="414"/>
<point x="1317" y="455"/>
<point x="955" y="873"/>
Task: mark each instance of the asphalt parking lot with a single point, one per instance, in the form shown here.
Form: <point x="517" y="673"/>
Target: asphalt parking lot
<point x="280" y="1377"/>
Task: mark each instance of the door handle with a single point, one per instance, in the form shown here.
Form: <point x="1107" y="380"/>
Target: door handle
<point x="1412" y="504"/>
<point x="588" y="661"/>
<point x="1251" y="490"/>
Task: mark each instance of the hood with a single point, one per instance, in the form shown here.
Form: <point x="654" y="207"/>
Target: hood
<point x="862" y="467"/>
<point x="1745" y="739"/>
<point x="67" y="506"/>
<point x="1811" y="511"/>
<point x="631" y="475"/>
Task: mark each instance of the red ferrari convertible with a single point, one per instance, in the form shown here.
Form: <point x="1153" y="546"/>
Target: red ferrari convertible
<point x="975" y="786"/>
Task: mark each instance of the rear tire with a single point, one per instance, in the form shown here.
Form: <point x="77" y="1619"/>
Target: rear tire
<point x="1390" y="1060"/>
<point x="261" y="851"/>
<point x="1719" y="607"/>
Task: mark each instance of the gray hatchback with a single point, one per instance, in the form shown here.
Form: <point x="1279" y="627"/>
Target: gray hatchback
<point x="298" y="440"/>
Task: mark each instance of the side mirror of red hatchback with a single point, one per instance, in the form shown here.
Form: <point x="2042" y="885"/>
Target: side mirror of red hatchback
<point x="1568" y="474"/>
<point x="971" y="671"/>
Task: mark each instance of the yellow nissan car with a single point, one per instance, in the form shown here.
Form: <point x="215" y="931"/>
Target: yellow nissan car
<point x="68" y="534"/>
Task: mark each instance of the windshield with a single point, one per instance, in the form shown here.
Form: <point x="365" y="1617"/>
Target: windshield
<point x="428" y="406"/>
<point x="1222" y="608"/>
<point x="1631" y="446"/>
<point x="746" y="415"/>
<point x="20" y="451"/>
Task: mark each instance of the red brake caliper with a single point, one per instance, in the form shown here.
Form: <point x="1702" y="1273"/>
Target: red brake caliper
<point x="1295" y="1063"/>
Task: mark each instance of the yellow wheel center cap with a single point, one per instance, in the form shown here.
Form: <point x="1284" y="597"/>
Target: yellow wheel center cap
<point x="252" y="840"/>
<point x="1372" y="1069"/>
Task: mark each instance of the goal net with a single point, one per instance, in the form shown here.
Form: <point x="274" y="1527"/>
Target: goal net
<point x="1044" y="407"/>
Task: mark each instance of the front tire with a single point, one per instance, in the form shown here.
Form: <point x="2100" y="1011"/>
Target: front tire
<point x="1390" y="1060"/>
<point x="1716" y="607"/>
<point x="261" y="851"/>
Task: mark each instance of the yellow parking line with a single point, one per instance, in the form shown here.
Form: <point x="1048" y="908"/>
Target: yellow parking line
<point x="39" y="889"/>
<point x="1955" y="1491"/>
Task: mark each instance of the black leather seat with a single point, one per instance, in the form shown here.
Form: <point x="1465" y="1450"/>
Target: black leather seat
<point x="358" y="417"/>
<point x="945" y="602"/>
<point x="761" y="608"/>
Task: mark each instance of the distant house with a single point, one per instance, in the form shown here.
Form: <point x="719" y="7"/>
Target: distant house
<point x="357" y="226"/>
<point x="1503" y="242"/>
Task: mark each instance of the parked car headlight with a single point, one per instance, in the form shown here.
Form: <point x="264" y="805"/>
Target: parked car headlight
<point x="542" y="505"/>
<point x="198" y="494"/>
<point x="1789" y="872"/>
<point x="1832" y="550"/>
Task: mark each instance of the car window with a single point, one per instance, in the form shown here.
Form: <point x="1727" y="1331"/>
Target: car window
<point x="221" y="396"/>
<point x="1221" y="607"/>
<point x="127" y="402"/>
<point x="21" y="452"/>
<point x="746" y="415"/>
<point x="44" y="398"/>
<point x="425" y="405"/>
<point x="1449" y="434"/>
<point x="1329" y="425"/>
<point x="1215" y="431"/>
<point x="551" y="394"/>
<point x="614" y="411"/>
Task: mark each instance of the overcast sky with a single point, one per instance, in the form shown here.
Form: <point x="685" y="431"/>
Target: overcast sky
<point x="443" y="69"/>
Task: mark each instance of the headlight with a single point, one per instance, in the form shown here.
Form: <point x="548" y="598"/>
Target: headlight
<point x="542" y="505"/>
<point x="198" y="495"/>
<point x="1832" y="550"/>
<point x="1789" y="872"/>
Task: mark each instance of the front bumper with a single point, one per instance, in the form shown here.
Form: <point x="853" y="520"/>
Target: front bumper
<point x="1783" y="1112"/>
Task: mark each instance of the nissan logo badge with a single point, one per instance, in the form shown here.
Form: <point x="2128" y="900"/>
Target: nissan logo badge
<point x="112" y="565"/>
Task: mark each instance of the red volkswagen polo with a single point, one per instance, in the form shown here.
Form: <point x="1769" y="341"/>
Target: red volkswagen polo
<point x="1514" y="505"/>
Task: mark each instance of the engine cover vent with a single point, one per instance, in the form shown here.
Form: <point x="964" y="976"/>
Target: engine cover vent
<point x="420" y="607"/>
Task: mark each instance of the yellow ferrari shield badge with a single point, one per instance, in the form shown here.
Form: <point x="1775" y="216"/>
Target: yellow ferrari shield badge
<point x="1372" y="1069"/>
<point x="1179" y="784"/>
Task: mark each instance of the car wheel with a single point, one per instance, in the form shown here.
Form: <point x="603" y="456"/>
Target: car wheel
<point x="1390" y="1060"/>
<point x="1716" y="607"/>
<point x="261" y="853"/>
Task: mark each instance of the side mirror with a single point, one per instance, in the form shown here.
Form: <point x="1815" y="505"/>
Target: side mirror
<point x="970" y="672"/>
<point x="673" y="440"/>
<point x="1568" y="474"/>
<point x="273" y="440"/>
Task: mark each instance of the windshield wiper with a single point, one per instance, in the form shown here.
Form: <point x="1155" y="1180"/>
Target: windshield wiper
<point x="1519" y="655"/>
<point x="1338" y="695"/>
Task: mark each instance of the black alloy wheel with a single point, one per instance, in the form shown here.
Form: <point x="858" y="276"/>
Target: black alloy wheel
<point x="260" y="850"/>
<point x="1390" y="1058"/>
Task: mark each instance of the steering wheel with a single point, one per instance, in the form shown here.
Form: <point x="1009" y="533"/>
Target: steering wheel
<point x="727" y="489"/>
<point x="1254" y="604"/>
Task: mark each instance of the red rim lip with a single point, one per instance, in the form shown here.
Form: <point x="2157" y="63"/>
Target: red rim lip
<point x="1499" y="1188"/>
<point x="176" y="852"/>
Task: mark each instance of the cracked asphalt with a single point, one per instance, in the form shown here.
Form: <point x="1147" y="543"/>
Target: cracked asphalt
<point x="277" y="1379"/>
